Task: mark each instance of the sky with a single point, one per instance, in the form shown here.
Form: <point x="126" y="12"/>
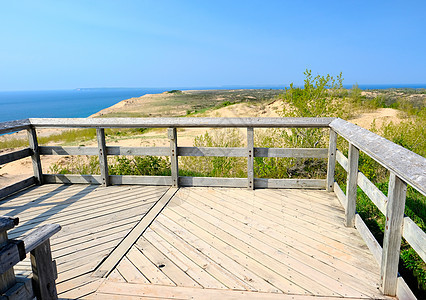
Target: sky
<point x="161" y="43"/>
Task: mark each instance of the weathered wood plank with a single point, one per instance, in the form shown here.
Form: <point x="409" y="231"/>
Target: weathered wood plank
<point x="172" y="134"/>
<point x="16" y="187"/>
<point x="230" y="221"/>
<point x="39" y="236"/>
<point x="35" y="156"/>
<point x="214" y="265"/>
<point x="167" y="266"/>
<point x="7" y="223"/>
<point x="342" y="160"/>
<point x="403" y="291"/>
<point x="72" y="178"/>
<point x="187" y="260"/>
<point x="9" y="157"/>
<point x="259" y="249"/>
<point x="58" y="150"/>
<point x="331" y="164"/>
<point x="373" y="192"/>
<point x="120" y="290"/>
<point x="187" y="151"/>
<point x="7" y="278"/>
<point x="44" y="271"/>
<point x="393" y="232"/>
<point x="22" y="290"/>
<point x="407" y="165"/>
<point x="369" y="239"/>
<point x="340" y="194"/>
<point x="145" y="180"/>
<point x="212" y="151"/>
<point x="415" y="237"/>
<point x="291" y="152"/>
<point x="212" y="181"/>
<point x="181" y="122"/>
<point x="351" y="187"/>
<point x="102" y="154"/>
<point x="250" y="158"/>
<point x="290" y="183"/>
<point x="138" y="151"/>
<point x="11" y="126"/>
<point x="111" y="261"/>
<point x="11" y="254"/>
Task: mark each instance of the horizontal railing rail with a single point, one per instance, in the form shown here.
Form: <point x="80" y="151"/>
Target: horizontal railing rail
<point x="406" y="168"/>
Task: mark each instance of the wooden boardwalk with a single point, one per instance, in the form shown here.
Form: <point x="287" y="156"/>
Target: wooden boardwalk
<point x="206" y="243"/>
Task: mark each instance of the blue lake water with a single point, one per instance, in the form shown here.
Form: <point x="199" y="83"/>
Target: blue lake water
<point x="63" y="103"/>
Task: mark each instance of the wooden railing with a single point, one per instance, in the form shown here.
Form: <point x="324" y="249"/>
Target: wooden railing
<point x="405" y="168"/>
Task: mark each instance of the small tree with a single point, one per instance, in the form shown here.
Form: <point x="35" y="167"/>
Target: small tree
<point x="320" y="97"/>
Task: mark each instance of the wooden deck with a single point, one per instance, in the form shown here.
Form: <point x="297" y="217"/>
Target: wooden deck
<point x="206" y="243"/>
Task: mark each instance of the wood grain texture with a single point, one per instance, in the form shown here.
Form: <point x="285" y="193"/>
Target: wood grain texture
<point x="415" y="237"/>
<point x="35" y="155"/>
<point x="174" y="165"/>
<point x="331" y="163"/>
<point x="102" y="155"/>
<point x="16" y="187"/>
<point x="342" y="160"/>
<point x="250" y="158"/>
<point x="393" y="233"/>
<point x="291" y="152"/>
<point x="179" y="122"/>
<point x="406" y="164"/>
<point x="351" y="186"/>
<point x="373" y="192"/>
<point x="9" y="157"/>
<point x="11" y="126"/>
<point x="39" y="236"/>
<point x="108" y="264"/>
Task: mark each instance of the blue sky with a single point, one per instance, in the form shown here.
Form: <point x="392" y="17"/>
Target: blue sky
<point x="160" y="43"/>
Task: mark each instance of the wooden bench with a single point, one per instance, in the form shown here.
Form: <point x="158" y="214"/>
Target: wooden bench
<point x="42" y="284"/>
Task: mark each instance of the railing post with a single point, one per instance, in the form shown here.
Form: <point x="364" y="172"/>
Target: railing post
<point x="35" y="157"/>
<point x="250" y="158"/>
<point x="44" y="272"/>
<point x="103" y="162"/>
<point x="172" y="133"/>
<point x="393" y="232"/>
<point x="331" y="164"/>
<point x="351" y="186"/>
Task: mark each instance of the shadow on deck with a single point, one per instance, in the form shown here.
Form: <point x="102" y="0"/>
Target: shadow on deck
<point x="205" y="243"/>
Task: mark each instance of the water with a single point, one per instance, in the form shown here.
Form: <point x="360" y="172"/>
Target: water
<point x="63" y="103"/>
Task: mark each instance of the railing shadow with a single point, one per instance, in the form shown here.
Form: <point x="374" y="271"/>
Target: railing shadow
<point x="39" y="219"/>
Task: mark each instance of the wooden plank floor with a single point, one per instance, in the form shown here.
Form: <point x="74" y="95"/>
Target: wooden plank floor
<point x="207" y="243"/>
<point x="237" y="243"/>
<point x="94" y="220"/>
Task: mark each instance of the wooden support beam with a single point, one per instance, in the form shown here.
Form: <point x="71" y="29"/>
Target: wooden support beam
<point x="351" y="187"/>
<point x="44" y="272"/>
<point x="331" y="165"/>
<point x="172" y="134"/>
<point x="103" y="162"/>
<point x="35" y="157"/>
<point x="250" y="158"/>
<point x="393" y="233"/>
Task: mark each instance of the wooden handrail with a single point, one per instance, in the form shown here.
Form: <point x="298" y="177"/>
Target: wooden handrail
<point x="182" y="122"/>
<point x="408" y="165"/>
